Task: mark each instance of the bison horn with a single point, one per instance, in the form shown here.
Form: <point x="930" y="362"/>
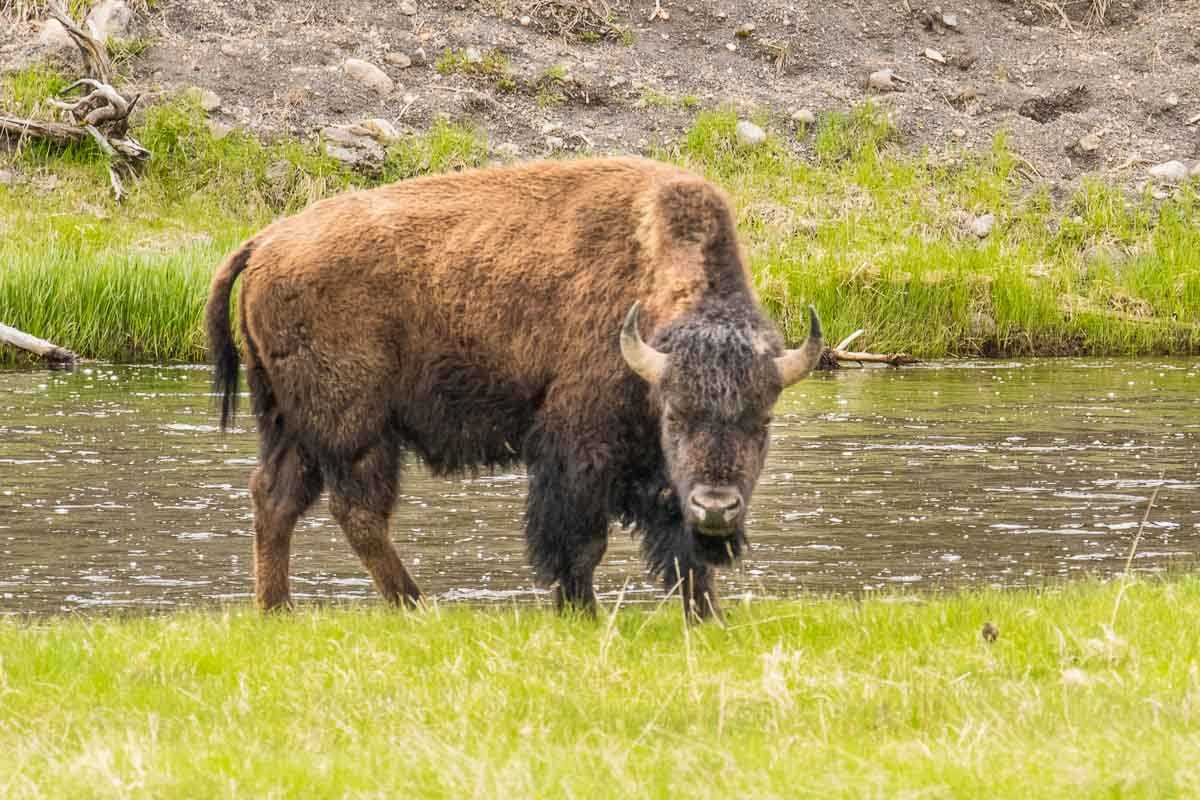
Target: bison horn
<point x="641" y="357"/>
<point x="795" y="364"/>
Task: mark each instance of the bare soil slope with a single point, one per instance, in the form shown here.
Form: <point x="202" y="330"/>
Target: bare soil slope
<point x="590" y="74"/>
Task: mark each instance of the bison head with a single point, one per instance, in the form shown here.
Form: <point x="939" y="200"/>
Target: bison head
<point x="715" y="381"/>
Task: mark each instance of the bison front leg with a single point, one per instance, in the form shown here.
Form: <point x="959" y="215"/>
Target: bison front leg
<point x="695" y="584"/>
<point x="566" y="524"/>
<point x="671" y="551"/>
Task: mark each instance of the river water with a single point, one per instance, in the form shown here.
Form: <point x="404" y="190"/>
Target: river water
<point x="116" y="490"/>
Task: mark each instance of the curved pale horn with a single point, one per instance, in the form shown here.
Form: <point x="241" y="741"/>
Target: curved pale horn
<point x="641" y="357"/>
<point x="795" y="364"/>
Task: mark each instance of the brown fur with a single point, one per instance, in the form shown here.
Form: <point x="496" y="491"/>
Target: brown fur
<point x="473" y="320"/>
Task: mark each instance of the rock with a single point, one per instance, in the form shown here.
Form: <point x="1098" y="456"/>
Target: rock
<point x="749" y="134"/>
<point x="730" y="46"/>
<point x="45" y="183"/>
<point x="555" y="142"/>
<point x="55" y="40"/>
<point x="958" y="133"/>
<point x="407" y="8"/>
<point x="230" y="50"/>
<point x="369" y="75"/>
<point x="400" y="60"/>
<point x="109" y="19"/>
<point x="551" y="127"/>
<point x="419" y="58"/>
<point x="950" y="21"/>
<point x="353" y="145"/>
<point x="8" y="177"/>
<point x="1169" y="172"/>
<point x="934" y="56"/>
<point x="209" y="100"/>
<point x="381" y="130"/>
<point x="1089" y="143"/>
<point x="508" y="150"/>
<point x="219" y="130"/>
<point x="804" y="116"/>
<point x="745" y="29"/>
<point x="982" y="226"/>
<point x="882" y="80"/>
<point x="473" y="55"/>
<point x="1195" y="173"/>
<point x="525" y="21"/>
<point x="1169" y="101"/>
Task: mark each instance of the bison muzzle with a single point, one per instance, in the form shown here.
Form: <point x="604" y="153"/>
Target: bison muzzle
<point x="495" y="317"/>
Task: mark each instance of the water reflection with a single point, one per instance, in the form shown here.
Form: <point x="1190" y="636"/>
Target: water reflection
<point x="116" y="489"/>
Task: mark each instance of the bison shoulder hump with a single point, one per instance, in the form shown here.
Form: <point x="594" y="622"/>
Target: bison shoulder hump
<point x="689" y="211"/>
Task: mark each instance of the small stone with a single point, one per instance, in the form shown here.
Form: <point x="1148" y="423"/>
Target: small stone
<point x="508" y="150"/>
<point x="749" y="134"/>
<point x="730" y="46"/>
<point x="230" y="50"/>
<point x="400" y="60"/>
<point x="804" y="116"/>
<point x="551" y="127"/>
<point x="109" y="19"/>
<point x="209" y="100"/>
<point x="934" y="55"/>
<point x="958" y="133"/>
<point x="555" y="142"/>
<point x="1169" y="172"/>
<point x="408" y="8"/>
<point x="950" y="20"/>
<point x="219" y="130"/>
<point x="473" y="56"/>
<point x="1171" y="100"/>
<point x="1089" y="143"/>
<point x="525" y="20"/>
<point x="745" y="29"/>
<point x="882" y="80"/>
<point x="982" y="226"/>
<point x="55" y="39"/>
<point x="381" y="130"/>
<point x="369" y="75"/>
<point x="419" y="58"/>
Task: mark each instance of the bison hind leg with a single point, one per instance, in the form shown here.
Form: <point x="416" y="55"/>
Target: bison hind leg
<point x="283" y="486"/>
<point x="362" y="493"/>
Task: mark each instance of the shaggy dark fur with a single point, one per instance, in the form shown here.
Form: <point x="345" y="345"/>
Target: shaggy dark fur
<point x="473" y="320"/>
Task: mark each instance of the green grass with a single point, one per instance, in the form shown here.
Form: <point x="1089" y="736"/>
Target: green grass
<point x="884" y="697"/>
<point x="877" y="238"/>
<point x="880" y="240"/>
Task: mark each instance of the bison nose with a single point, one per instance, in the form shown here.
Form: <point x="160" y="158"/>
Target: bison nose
<point x="714" y="508"/>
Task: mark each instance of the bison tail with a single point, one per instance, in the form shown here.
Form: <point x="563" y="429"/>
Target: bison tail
<point x="221" y="347"/>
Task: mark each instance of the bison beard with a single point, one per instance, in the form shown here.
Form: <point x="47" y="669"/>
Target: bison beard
<point x="475" y="321"/>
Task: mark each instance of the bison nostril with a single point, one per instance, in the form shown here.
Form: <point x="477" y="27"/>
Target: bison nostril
<point x="714" y="506"/>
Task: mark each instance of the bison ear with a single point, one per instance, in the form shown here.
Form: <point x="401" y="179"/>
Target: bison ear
<point x="795" y="364"/>
<point x="641" y="357"/>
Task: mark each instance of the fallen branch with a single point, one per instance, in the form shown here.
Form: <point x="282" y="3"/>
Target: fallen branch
<point x="101" y="114"/>
<point x="52" y="353"/>
<point x="831" y="357"/>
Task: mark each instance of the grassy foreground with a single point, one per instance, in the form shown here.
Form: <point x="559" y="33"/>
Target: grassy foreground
<point x="884" y="697"/>
<point x="877" y="238"/>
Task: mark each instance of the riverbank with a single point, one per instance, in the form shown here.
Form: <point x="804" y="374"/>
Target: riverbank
<point x="1089" y="690"/>
<point x="936" y="256"/>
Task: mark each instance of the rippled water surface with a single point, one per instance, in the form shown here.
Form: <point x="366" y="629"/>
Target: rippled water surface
<point x="116" y="490"/>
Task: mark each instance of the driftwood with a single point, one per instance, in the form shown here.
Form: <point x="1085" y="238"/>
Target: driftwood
<point x="832" y="357"/>
<point x="102" y="113"/>
<point x="52" y="353"/>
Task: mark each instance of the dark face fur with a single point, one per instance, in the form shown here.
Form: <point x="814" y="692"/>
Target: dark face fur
<point x="716" y="379"/>
<point x="716" y="398"/>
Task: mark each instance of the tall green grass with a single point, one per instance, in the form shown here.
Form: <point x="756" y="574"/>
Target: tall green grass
<point x="876" y="238"/>
<point x="894" y="696"/>
<point x="881" y="241"/>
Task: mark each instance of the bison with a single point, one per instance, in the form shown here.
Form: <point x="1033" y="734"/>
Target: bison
<point x="493" y="317"/>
